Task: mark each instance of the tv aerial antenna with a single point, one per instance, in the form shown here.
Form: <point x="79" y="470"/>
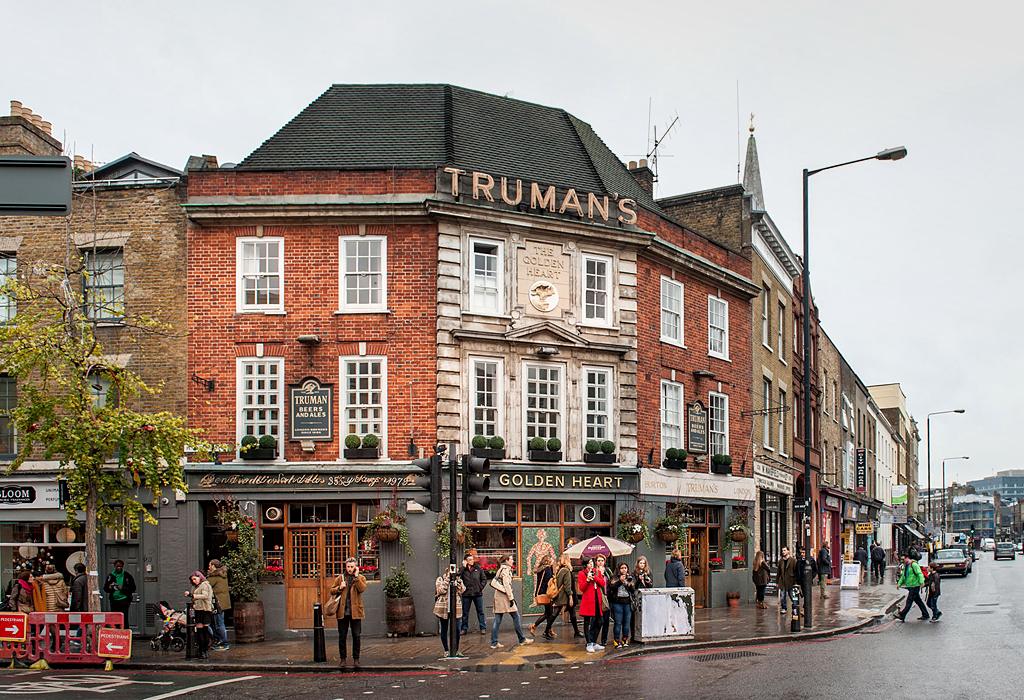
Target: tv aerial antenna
<point x="654" y="142"/>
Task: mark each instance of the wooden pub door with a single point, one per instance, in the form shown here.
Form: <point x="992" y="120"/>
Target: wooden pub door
<point x="313" y="557"/>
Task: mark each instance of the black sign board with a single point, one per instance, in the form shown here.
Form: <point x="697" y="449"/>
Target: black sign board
<point x="35" y="185"/>
<point x="862" y="470"/>
<point x="11" y="495"/>
<point x="697" y="428"/>
<point x="311" y="410"/>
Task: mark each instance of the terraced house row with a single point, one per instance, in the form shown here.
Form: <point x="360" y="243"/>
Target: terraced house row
<point x="402" y="265"/>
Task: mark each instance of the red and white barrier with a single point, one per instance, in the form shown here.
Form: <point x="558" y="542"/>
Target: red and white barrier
<point x="70" y="638"/>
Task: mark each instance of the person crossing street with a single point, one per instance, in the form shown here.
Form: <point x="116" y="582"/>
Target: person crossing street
<point x="912" y="579"/>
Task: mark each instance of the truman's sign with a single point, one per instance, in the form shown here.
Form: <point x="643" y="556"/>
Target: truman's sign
<point x="514" y="192"/>
<point x="311" y="410"/>
<point x="305" y="481"/>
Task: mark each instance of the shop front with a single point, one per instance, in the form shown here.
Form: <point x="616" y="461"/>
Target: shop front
<point x="34" y="529"/>
<point x="849" y="532"/>
<point x="831" y="526"/>
<point x="774" y="499"/>
<point x="716" y="559"/>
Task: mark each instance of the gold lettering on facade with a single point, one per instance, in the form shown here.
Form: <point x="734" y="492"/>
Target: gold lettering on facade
<point x="542" y="201"/>
<point x="627" y="209"/>
<point x="504" y="192"/>
<point x="455" y="172"/>
<point x="482" y="182"/>
<point x="600" y="204"/>
<point x="571" y="201"/>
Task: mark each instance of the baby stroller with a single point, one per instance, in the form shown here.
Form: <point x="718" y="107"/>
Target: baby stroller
<point x="172" y="631"/>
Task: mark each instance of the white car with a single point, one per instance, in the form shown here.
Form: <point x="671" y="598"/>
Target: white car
<point x="988" y="544"/>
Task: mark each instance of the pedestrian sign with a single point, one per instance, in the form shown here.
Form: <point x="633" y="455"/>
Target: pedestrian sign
<point x="114" y="643"/>
<point x="13" y="627"/>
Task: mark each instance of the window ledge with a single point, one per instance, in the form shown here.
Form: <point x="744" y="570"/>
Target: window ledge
<point x="768" y="447"/>
<point x="602" y="326"/>
<point x="260" y="312"/>
<point x="362" y="312"/>
<point x="486" y="316"/>
<point x="110" y="324"/>
<point x="770" y="349"/>
<point x="723" y="358"/>
<point x="675" y="343"/>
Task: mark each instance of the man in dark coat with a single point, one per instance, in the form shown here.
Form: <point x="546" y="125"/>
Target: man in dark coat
<point x="786" y="578"/>
<point x="824" y="568"/>
<point x="675" y="574"/>
<point x="474" y="578"/>
<point x="877" y="562"/>
<point x="120" y="587"/>
<point x="79" y="590"/>
<point x="861" y="557"/>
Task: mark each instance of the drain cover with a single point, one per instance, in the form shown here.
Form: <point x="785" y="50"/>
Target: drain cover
<point x="725" y="656"/>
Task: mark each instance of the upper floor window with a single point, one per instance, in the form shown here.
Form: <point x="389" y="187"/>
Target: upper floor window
<point x="487" y="283"/>
<point x="8" y="273"/>
<point x="671" y="416"/>
<point x="364" y="397"/>
<point x="103" y="284"/>
<point x="718" y="423"/>
<point x="671" y="311"/>
<point x="766" y="418"/>
<point x="782" y="421"/>
<point x="8" y="401"/>
<point x="363" y="278"/>
<point x="260" y="265"/>
<point x="102" y="391"/>
<point x="488" y="380"/>
<point x="597" y="403"/>
<point x="260" y="396"/>
<point x="780" y="336"/>
<point x="597" y="285"/>
<point x="543" y="394"/>
<point x="766" y="294"/>
<point x="718" y="327"/>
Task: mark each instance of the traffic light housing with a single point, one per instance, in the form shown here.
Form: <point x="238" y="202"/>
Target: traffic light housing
<point x="476" y="482"/>
<point x="429" y="481"/>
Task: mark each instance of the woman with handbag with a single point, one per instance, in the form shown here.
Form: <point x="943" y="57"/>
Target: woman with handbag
<point x="620" y="593"/>
<point x="202" y="605"/>
<point x="505" y="602"/>
<point x="542" y="577"/>
<point x="761" y="573"/>
<point x="347" y="601"/>
<point x="561" y="586"/>
<point x="442" y="608"/>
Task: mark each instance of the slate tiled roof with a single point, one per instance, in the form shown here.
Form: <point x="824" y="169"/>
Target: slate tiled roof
<point x="428" y="126"/>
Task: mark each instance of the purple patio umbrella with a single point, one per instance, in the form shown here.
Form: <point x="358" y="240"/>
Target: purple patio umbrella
<point x="608" y="546"/>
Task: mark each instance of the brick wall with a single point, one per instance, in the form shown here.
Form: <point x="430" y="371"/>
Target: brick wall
<point x="720" y="214"/>
<point x="250" y="183"/>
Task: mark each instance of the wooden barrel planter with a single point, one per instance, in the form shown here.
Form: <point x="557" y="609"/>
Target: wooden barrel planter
<point x="667" y="536"/>
<point x="249" y="622"/>
<point x="400" y="614"/>
<point x="387" y="534"/>
<point x="733" y="599"/>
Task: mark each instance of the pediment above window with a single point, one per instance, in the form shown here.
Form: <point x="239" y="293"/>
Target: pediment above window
<point x="546" y="333"/>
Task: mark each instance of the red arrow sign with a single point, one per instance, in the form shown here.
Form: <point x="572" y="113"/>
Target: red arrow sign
<point x="114" y="643"/>
<point x="13" y="627"/>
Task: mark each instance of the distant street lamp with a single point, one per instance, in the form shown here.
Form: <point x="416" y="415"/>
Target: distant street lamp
<point x="928" y="421"/>
<point x="945" y="510"/>
<point x="896" y="153"/>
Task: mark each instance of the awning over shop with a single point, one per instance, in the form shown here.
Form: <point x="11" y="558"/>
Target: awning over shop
<point x="912" y="531"/>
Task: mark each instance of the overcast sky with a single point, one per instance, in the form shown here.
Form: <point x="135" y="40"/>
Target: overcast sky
<point x="913" y="262"/>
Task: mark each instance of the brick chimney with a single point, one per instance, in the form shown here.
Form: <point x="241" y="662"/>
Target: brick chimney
<point x="642" y="174"/>
<point x="24" y="133"/>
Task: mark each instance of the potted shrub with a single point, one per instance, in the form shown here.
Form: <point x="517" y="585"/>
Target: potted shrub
<point x="542" y="450"/>
<point x="389" y="526"/>
<point x="599" y="452"/>
<point x="263" y="447"/>
<point x="399" y="608"/>
<point x="463" y="536"/>
<point x="633" y="527"/>
<point x="675" y="458"/>
<point x="245" y="566"/>
<point x="492" y="447"/>
<point x="721" y="464"/>
<point x="366" y="448"/>
<point x="669" y="527"/>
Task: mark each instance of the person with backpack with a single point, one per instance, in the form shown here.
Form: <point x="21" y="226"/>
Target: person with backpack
<point x="877" y="562"/>
<point x="505" y="602"/>
<point x="442" y="609"/>
<point x="912" y="579"/>
<point x="217" y="575"/>
<point x="934" y="583"/>
<point x="55" y="589"/>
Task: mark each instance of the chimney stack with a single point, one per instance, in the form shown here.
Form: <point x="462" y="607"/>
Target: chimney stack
<point x="642" y="174"/>
<point x="27" y="133"/>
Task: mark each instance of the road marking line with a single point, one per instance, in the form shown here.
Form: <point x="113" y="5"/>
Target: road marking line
<point x="186" y="691"/>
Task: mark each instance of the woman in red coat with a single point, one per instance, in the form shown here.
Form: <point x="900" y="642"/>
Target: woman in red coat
<point x="590" y="583"/>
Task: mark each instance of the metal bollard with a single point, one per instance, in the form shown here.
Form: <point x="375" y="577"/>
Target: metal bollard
<point x="190" y="626"/>
<point x="794" y="599"/>
<point x="319" y="648"/>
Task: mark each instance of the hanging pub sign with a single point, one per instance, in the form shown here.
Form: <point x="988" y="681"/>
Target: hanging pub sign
<point x="697" y="428"/>
<point x="311" y="410"/>
<point x="862" y="470"/>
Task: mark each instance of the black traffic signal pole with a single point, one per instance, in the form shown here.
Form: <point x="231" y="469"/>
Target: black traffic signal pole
<point x="453" y="520"/>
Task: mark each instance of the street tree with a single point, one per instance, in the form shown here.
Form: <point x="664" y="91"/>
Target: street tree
<point x="80" y="407"/>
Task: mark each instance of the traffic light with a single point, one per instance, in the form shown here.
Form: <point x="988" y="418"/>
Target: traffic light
<point x="429" y="481"/>
<point x="476" y="482"/>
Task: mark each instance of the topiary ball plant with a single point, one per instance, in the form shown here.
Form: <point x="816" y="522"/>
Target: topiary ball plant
<point x="607" y="447"/>
<point x="352" y="441"/>
<point x="592" y="447"/>
<point x="538" y="443"/>
<point x="672" y="454"/>
<point x="268" y="442"/>
<point x="371" y="441"/>
<point x="479" y="442"/>
<point x="554" y="444"/>
<point x="496" y="442"/>
<point x="249" y="442"/>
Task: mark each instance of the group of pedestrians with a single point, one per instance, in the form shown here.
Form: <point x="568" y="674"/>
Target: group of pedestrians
<point x="46" y="592"/>
<point x="913" y="579"/>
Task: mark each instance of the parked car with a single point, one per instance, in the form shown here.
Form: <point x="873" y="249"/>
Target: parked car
<point x="988" y="544"/>
<point x="951" y="561"/>
<point x="1005" y="550"/>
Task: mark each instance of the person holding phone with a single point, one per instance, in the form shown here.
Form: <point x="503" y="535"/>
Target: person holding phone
<point x="591" y="584"/>
<point x="505" y="602"/>
<point x="202" y="605"/>
<point x="620" y="593"/>
<point x="350" y="585"/>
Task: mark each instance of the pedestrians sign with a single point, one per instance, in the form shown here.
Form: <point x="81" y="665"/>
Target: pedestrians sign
<point x="114" y="643"/>
<point x="13" y="627"/>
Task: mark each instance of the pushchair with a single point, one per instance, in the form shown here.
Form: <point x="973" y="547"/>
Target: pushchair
<point x="172" y="630"/>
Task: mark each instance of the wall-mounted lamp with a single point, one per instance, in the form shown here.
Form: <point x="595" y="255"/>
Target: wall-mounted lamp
<point x="547" y="351"/>
<point x="309" y="339"/>
<point x="703" y="374"/>
<point x="209" y="384"/>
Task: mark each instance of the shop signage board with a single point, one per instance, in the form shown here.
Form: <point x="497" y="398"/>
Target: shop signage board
<point x="899" y="504"/>
<point x="29" y="494"/>
<point x="13" y="627"/>
<point x="832" y="502"/>
<point x="311" y="410"/>
<point x="862" y="470"/>
<point x="696" y="428"/>
<point x="772" y="479"/>
<point x="296" y="481"/>
<point x="849" y="510"/>
<point x="885" y="518"/>
<point x="865" y="528"/>
<point x="674" y="484"/>
<point x="558" y="482"/>
<point x="114" y="643"/>
<point x="850" y="577"/>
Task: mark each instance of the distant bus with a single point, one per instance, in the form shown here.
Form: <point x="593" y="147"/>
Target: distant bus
<point x="953" y="538"/>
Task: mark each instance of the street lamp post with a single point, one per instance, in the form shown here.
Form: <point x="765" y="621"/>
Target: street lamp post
<point x="928" y="443"/>
<point x="888" y="154"/>
<point x="945" y="508"/>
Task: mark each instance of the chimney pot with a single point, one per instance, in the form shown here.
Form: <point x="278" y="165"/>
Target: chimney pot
<point x="47" y="127"/>
<point x="15" y="108"/>
<point x="642" y="163"/>
<point x="631" y="165"/>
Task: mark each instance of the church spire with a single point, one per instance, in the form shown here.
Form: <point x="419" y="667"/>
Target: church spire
<point x="752" y="171"/>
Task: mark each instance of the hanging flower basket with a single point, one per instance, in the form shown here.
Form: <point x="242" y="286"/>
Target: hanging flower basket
<point x="738" y="536"/>
<point x="387" y="534"/>
<point x="668" y="536"/>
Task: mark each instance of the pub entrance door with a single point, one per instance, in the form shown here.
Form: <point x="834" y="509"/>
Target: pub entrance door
<point x="313" y="557"/>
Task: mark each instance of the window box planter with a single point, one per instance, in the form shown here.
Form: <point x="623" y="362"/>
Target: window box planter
<point x="674" y="464"/>
<point x="263" y="453"/>
<point x="721" y="464"/>
<point x="362" y="453"/>
<point x="488" y="453"/>
<point x="600" y="458"/>
<point x="545" y="456"/>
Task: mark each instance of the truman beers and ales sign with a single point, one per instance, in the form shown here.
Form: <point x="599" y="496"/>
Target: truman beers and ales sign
<point x="311" y="410"/>
<point x="697" y="428"/>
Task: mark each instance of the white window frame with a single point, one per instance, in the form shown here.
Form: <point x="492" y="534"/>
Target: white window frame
<point x="680" y="341"/>
<point x="609" y="401"/>
<point x="766" y="421"/>
<point x="563" y="403"/>
<point x="104" y="311"/>
<point x="240" y="403"/>
<point x="766" y="293"/>
<point x="783" y="396"/>
<point x="240" y="305"/>
<point x="781" y="308"/>
<point x="382" y="305"/>
<point x="711" y="432"/>
<point x="8" y="405"/>
<point x="499" y="395"/>
<point x="343" y="407"/>
<point x="681" y="404"/>
<point x="474" y="298"/>
<point x="609" y="263"/>
<point x="9" y="273"/>
<point x="724" y="355"/>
